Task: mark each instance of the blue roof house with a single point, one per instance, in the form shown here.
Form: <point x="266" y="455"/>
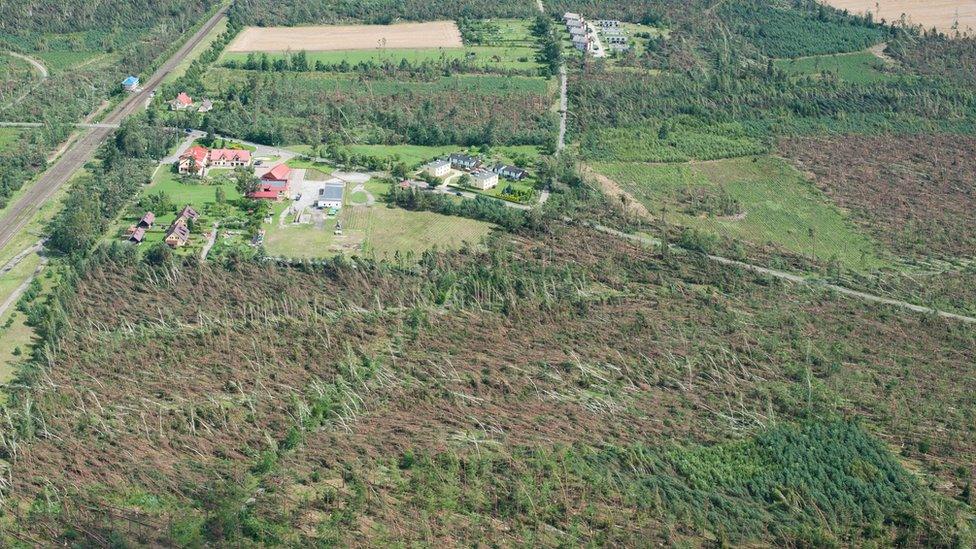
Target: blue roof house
<point x="130" y="83"/>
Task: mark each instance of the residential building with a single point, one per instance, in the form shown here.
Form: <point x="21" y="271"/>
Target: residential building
<point x="581" y="43"/>
<point x="230" y="158"/>
<point x="438" y="168"/>
<point x="569" y="16"/>
<point x="484" y="179"/>
<point x="194" y="161"/>
<point x="608" y="23"/>
<point x="147" y="220"/>
<point x="510" y="172"/>
<point x="617" y="42"/>
<point x="131" y="83"/>
<point x="578" y="31"/>
<point x="138" y="235"/>
<point x="279" y="173"/>
<point x="611" y="31"/>
<point x="205" y="106"/>
<point x="463" y="161"/>
<point x="188" y="213"/>
<point x="330" y="196"/>
<point x="178" y="234"/>
<point x="181" y="102"/>
<point x="575" y="24"/>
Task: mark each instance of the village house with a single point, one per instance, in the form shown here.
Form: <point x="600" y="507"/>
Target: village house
<point x="179" y="232"/>
<point x="131" y="83"/>
<point x="188" y="213"/>
<point x="230" y="158"/>
<point x="138" y="235"/>
<point x="194" y="161"/>
<point x="205" y="106"/>
<point x="575" y="24"/>
<point x="484" y="179"/>
<point x="510" y="172"/>
<point x="578" y="31"/>
<point x="438" y="168"/>
<point x="274" y="184"/>
<point x="147" y="220"/>
<point x="570" y="16"/>
<point x="463" y="161"/>
<point x="330" y="196"/>
<point x="181" y="102"/>
<point x="581" y="43"/>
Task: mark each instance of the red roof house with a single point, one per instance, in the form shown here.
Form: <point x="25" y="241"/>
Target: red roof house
<point x="181" y="102"/>
<point x="193" y="161"/>
<point x="147" y="220"/>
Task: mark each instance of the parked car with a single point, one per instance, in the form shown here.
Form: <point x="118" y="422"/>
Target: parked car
<point x="298" y="196"/>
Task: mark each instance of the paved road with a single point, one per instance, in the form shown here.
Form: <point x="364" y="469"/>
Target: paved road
<point x="20" y="212"/>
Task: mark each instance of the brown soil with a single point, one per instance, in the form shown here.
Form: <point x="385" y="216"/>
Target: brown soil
<point x="917" y="194"/>
<point x="434" y="34"/>
<point x="619" y="197"/>
<point x="941" y="14"/>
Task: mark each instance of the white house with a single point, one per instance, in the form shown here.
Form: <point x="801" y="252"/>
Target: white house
<point x="581" y="43"/>
<point x="577" y="31"/>
<point x="510" y="172"/>
<point x="438" y="168"/>
<point x="205" y="106"/>
<point x="330" y="196"/>
<point x="464" y="161"/>
<point x="484" y="179"/>
<point x="575" y="24"/>
<point x="570" y="16"/>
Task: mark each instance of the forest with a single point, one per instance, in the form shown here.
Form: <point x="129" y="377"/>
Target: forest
<point x="267" y="13"/>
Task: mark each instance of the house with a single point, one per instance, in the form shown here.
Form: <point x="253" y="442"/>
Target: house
<point x="438" y="168"/>
<point x="131" y="83"/>
<point x="617" y="42"/>
<point x="575" y="24"/>
<point x="205" y="106"/>
<point x="279" y="173"/>
<point x="230" y="158"/>
<point x="178" y="234"/>
<point x="581" y="43"/>
<point x="188" y="213"/>
<point x="181" y="102"/>
<point x="138" y="235"/>
<point x="265" y="192"/>
<point x="608" y="23"/>
<point x="510" y="172"/>
<point x="484" y="179"/>
<point x="463" y="161"/>
<point x="570" y="16"/>
<point x="194" y="161"/>
<point x="611" y="31"/>
<point x="147" y="221"/>
<point x="577" y="31"/>
<point x="330" y="196"/>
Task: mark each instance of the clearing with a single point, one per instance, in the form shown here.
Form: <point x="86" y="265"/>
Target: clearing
<point x="761" y="200"/>
<point x="941" y="14"/>
<point x="434" y="34"/>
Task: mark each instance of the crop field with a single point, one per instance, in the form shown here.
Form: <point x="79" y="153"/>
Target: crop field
<point x="856" y="68"/>
<point x="945" y="15"/>
<point x="434" y="34"/>
<point x="757" y="199"/>
<point x="516" y="393"/>
<point x="915" y="193"/>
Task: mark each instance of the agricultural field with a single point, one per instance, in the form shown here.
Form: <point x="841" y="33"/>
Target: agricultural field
<point x="362" y="404"/>
<point x="9" y="137"/>
<point x="430" y="35"/>
<point x="761" y="200"/>
<point x="946" y="15"/>
<point x="914" y="193"/>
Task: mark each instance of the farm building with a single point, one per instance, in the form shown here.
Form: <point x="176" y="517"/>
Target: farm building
<point x="463" y="161"/>
<point x="330" y="196"/>
<point x="181" y="102"/>
<point x="438" y="168"/>
<point x="484" y="179"/>
<point x="279" y="173"/>
<point x="193" y="161"/>
<point x="510" y="172"/>
<point x="230" y="158"/>
<point x="131" y="83"/>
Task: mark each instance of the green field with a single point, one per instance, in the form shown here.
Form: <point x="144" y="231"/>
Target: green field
<point x="780" y="206"/>
<point x="56" y="61"/>
<point x="857" y="68"/>
<point x="415" y="155"/>
<point x="678" y="139"/>
<point x="9" y="136"/>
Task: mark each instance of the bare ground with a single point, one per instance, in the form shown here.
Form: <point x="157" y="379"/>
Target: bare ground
<point x="941" y="14"/>
<point x="434" y="34"/>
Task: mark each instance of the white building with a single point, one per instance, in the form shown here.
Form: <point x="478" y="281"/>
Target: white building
<point x="330" y="196"/>
<point x="484" y="180"/>
<point x="570" y="16"/>
<point x="438" y="168"/>
<point x="608" y="23"/>
<point x="581" y="43"/>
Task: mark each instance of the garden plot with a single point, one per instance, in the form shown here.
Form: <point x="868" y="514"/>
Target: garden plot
<point x="434" y="34"/>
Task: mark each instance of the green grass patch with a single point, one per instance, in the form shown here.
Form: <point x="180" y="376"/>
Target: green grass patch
<point x="181" y="68"/>
<point x="857" y="68"/>
<point x="778" y="206"/>
<point x="57" y="61"/>
<point x="679" y="139"/>
<point x="9" y="136"/>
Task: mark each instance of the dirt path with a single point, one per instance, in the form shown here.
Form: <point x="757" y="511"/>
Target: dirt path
<point x="38" y="66"/>
<point x="210" y="242"/>
<point x="616" y="193"/>
<point x="15" y="296"/>
<point x="20" y="213"/>
<point x="878" y="50"/>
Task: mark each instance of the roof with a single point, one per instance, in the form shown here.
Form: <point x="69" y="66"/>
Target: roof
<point x="463" y="157"/>
<point x="483" y="175"/>
<point x="179" y="230"/>
<point x="331" y="192"/>
<point x="148" y="218"/>
<point x="263" y="194"/>
<point x="196" y="152"/>
<point x="188" y="211"/>
<point x="183" y="99"/>
<point x="138" y="234"/>
<point x="240" y="155"/>
<point x="279" y="172"/>
<point x="571" y="15"/>
<point x="506" y="168"/>
<point x="130" y="81"/>
<point x="439" y="163"/>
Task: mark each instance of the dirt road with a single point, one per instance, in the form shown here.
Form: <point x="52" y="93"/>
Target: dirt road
<point x="20" y="212"/>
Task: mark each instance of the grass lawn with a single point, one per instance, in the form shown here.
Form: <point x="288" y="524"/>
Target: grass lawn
<point x="180" y="69"/>
<point x="17" y="334"/>
<point x="415" y="155"/>
<point x="308" y="164"/>
<point x="780" y="206"/>
<point x="221" y="143"/>
<point x="57" y="61"/>
<point x="196" y="195"/>
<point x="857" y="68"/>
